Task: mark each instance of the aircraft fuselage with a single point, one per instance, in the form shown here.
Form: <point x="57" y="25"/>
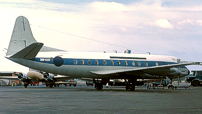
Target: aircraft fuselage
<point x="81" y="64"/>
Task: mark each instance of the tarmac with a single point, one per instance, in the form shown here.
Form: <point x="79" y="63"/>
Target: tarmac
<point x="87" y="100"/>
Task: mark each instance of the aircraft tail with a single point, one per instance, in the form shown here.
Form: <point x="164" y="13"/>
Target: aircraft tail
<point x="22" y="37"/>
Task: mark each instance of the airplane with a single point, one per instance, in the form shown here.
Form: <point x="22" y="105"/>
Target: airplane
<point x="35" y="76"/>
<point x="101" y="67"/>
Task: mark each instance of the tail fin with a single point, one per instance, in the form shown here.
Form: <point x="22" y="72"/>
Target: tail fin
<point x="22" y="37"/>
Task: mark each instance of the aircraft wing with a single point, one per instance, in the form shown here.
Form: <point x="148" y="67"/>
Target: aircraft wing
<point x="9" y="77"/>
<point x="143" y="69"/>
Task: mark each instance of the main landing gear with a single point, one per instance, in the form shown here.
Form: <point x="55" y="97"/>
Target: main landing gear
<point x="51" y="84"/>
<point x="26" y="84"/>
<point x="99" y="83"/>
<point x="98" y="86"/>
<point x="130" y="84"/>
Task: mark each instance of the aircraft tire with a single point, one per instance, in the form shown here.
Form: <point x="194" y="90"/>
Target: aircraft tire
<point x="127" y="87"/>
<point x="195" y="83"/>
<point x="130" y="87"/>
<point x="25" y="85"/>
<point x="51" y="85"/>
<point x="170" y="87"/>
<point x="98" y="86"/>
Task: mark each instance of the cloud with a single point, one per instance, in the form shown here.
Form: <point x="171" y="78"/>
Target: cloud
<point x="199" y="22"/>
<point x="108" y="6"/>
<point x="186" y="21"/>
<point x="161" y="23"/>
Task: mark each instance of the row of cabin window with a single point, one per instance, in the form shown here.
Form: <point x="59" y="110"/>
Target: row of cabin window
<point x="112" y="63"/>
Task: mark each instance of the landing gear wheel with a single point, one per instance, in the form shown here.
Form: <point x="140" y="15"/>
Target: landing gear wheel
<point x="195" y="83"/>
<point x="170" y="87"/>
<point x="98" y="86"/>
<point x="130" y="87"/>
<point x="25" y="85"/>
<point x="51" y="85"/>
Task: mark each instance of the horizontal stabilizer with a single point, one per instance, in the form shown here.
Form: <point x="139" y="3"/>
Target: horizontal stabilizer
<point x="29" y="52"/>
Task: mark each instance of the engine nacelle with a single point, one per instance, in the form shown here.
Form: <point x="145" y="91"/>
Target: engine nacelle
<point x="181" y="71"/>
<point x="35" y="75"/>
<point x="21" y="76"/>
<point x="47" y="76"/>
<point x="40" y="76"/>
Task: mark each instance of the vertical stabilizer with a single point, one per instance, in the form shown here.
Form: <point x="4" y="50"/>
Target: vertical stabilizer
<point x="21" y="36"/>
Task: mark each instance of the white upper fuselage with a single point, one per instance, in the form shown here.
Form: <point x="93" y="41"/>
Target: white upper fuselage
<point x="107" y="56"/>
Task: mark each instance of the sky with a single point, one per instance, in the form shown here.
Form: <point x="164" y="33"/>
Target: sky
<point x="163" y="27"/>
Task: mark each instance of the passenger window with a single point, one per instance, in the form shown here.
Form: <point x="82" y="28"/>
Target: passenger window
<point x="75" y="62"/>
<point x="157" y="64"/>
<point x="112" y="62"/>
<point x="146" y="64"/>
<point x="133" y="63"/>
<point x="82" y="62"/>
<point x="139" y="63"/>
<point x="105" y="62"/>
<point x="119" y="63"/>
<point x="126" y="63"/>
<point x="96" y="62"/>
<point x="89" y="62"/>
